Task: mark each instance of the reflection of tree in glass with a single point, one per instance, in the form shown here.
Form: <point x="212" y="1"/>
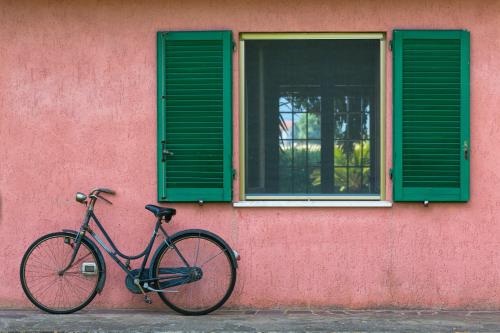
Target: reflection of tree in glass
<point x="306" y="178"/>
<point x="351" y="155"/>
<point x="352" y="120"/>
<point x="304" y="127"/>
<point x="307" y="126"/>
<point x="359" y="176"/>
<point x="359" y="173"/>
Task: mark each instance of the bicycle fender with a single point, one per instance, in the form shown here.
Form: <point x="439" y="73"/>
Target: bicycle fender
<point x="190" y="231"/>
<point x="90" y="243"/>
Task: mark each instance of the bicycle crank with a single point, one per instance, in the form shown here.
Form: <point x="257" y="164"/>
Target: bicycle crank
<point x="147" y="299"/>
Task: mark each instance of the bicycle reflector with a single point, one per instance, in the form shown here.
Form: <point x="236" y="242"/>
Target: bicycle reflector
<point x="89" y="268"/>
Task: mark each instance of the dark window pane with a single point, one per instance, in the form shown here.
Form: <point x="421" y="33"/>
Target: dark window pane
<point x="285" y="180"/>
<point x="366" y="152"/>
<point x="300" y="126"/>
<point x="340" y="104"/>
<point x="314" y="152"/>
<point x="365" y="126"/>
<point x="354" y="156"/>
<point x="341" y="127"/>
<point x="366" y="180"/>
<point x="311" y="116"/>
<point x="354" y="126"/>
<point x="340" y="153"/>
<point x="286" y="121"/>
<point x="300" y="153"/>
<point x="340" y="180"/>
<point x="315" y="179"/>
<point x="285" y="104"/>
<point x="313" y="126"/>
<point x="355" y="180"/>
<point x="285" y="160"/>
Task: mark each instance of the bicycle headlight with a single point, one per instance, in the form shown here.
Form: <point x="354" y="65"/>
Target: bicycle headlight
<point x="80" y="197"/>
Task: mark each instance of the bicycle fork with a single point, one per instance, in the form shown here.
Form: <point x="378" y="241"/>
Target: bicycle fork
<point x="77" y="243"/>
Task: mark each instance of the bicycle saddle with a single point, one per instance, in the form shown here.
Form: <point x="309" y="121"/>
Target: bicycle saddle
<point x="161" y="211"/>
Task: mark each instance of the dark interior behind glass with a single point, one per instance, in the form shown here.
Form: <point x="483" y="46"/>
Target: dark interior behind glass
<point x="312" y="117"/>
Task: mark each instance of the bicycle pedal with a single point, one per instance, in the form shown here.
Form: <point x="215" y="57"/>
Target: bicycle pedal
<point x="148" y="300"/>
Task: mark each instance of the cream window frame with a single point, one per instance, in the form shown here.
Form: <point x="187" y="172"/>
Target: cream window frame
<point x="242" y="152"/>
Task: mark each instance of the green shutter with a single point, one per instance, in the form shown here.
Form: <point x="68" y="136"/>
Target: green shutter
<point x="431" y="146"/>
<point x="194" y="116"/>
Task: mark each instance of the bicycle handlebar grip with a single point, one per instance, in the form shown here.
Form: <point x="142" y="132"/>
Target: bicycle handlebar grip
<point x="104" y="190"/>
<point x="107" y="190"/>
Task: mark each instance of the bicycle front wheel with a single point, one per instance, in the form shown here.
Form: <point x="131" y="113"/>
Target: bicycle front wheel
<point x="203" y="250"/>
<point x="46" y="288"/>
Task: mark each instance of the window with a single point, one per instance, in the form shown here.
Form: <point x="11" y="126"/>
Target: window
<point x="312" y="116"/>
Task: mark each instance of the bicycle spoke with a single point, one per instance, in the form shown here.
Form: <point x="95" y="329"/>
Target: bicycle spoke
<point x="41" y="276"/>
<point x="197" y="251"/>
<point x="42" y="286"/>
<point x="43" y="267"/>
<point x="47" y="264"/>
<point x="79" y="260"/>
<point x="208" y="293"/>
<point x="52" y="256"/>
<point x="47" y="289"/>
<point x="215" y="256"/>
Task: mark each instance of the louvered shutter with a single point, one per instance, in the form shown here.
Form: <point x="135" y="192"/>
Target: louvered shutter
<point x="194" y="116"/>
<point x="431" y="147"/>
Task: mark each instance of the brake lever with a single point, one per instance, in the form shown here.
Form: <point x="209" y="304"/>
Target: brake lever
<point x="104" y="199"/>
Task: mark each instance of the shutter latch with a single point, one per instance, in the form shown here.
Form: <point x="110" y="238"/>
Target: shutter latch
<point x="466" y="150"/>
<point x="165" y="151"/>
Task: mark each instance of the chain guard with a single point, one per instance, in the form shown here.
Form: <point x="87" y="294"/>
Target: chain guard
<point x="129" y="282"/>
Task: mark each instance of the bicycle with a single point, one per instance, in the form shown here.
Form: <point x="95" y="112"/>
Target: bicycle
<point x="62" y="272"/>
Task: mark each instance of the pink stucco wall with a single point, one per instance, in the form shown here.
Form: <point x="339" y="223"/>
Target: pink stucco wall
<point x="78" y="110"/>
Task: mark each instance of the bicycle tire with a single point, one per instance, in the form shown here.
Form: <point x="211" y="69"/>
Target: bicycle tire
<point x="226" y="264"/>
<point x="52" y="271"/>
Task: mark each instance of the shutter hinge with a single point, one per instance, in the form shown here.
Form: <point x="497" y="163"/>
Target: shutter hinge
<point x="390" y="173"/>
<point x="233" y="46"/>
<point x="234" y="173"/>
<point x="390" y="45"/>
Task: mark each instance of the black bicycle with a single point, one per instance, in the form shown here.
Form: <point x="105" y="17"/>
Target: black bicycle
<point x="193" y="271"/>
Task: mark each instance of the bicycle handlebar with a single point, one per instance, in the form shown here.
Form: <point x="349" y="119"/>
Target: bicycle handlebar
<point x="95" y="194"/>
<point x="103" y="190"/>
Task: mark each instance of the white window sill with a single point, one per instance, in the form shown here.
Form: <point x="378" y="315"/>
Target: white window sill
<point x="290" y="203"/>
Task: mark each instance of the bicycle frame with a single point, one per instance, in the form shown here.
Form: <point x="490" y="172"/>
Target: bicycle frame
<point x="56" y="264"/>
<point x="115" y="253"/>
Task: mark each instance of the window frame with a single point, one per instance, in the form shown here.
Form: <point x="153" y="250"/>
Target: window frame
<point x="381" y="36"/>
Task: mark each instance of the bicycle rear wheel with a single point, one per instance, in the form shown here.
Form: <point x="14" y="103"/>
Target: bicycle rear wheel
<point x="203" y="250"/>
<point x="54" y="293"/>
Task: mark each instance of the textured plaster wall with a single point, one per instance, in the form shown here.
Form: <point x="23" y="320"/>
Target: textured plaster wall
<point x="78" y="110"/>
